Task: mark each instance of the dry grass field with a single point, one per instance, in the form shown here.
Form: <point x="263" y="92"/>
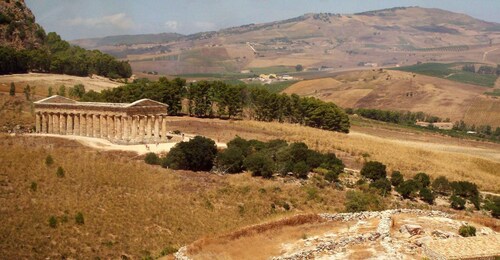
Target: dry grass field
<point x="397" y="90"/>
<point x="130" y="208"/>
<point x="43" y="81"/>
<point x="401" y="149"/>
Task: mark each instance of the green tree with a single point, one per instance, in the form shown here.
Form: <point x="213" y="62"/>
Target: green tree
<point x="301" y="169"/>
<point x="357" y="201"/>
<point x="426" y="195"/>
<point x="27" y="92"/>
<point x="456" y="202"/>
<point x="383" y="185"/>
<point x="77" y="91"/>
<point x="12" y="91"/>
<point x="50" y="92"/>
<point x="408" y="189"/>
<point x="467" y="231"/>
<point x="422" y="179"/>
<point x="49" y="160"/>
<point x="396" y="178"/>
<point x="299" y="67"/>
<point x="152" y="158"/>
<point x="230" y="160"/>
<point x="259" y="164"/>
<point x="62" y="91"/>
<point x="441" y="185"/>
<point x="197" y="154"/>
<point x="374" y="170"/>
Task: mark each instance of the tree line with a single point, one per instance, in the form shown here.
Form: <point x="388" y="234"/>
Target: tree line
<point x="397" y="117"/>
<point x="222" y="100"/>
<point x="58" y="56"/>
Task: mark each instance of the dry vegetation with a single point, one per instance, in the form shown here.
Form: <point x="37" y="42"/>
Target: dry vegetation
<point x="397" y="90"/>
<point x="436" y="155"/>
<point x="129" y="208"/>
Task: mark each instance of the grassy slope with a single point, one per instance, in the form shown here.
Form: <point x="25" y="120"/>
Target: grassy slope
<point x="446" y="71"/>
<point x="130" y="208"/>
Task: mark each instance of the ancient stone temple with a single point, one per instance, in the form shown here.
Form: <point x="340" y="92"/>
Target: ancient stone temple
<point x="142" y="121"/>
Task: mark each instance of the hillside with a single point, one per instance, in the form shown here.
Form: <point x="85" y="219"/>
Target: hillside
<point x="398" y="36"/>
<point x="18" y="28"/>
<point x="398" y="90"/>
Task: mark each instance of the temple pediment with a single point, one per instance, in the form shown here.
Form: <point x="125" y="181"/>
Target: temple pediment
<point x="56" y="99"/>
<point x="146" y="103"/>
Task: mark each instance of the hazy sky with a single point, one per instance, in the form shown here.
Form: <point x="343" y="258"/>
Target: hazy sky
<point x="74" y="19"/>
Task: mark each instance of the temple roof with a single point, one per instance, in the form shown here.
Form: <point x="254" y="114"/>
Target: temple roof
<point x="60" y="100"/>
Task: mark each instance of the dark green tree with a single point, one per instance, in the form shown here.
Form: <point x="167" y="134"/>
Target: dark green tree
<point x="383" y="185"/>
<point x="259" y="164"/>
<point x="422" y="179"/>
<point x="197" y="154"/>
<point x="396" y="178"/>
<point x="441" y="185"/>
<point x="230" y="160"/>
<point x="426" y="195"/>
<point x="374" y="170"/>
<point x="408" y="189"/>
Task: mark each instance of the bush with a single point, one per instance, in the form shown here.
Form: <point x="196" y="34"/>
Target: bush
<point x="407" y="189"/>
<point x="230" y="160"/>
<point x="357" y="201"/>
<point x="152" y="158"/>
<point x="427" y="195"/>
<point x="49" y="160"/>
<point x="464" y="189"/>
<point x="456" y="202"/>
<point x="242" y="144"/>
<point x="79" y="218"/>
<point x="197" y="154"/>
<point x="168" y="250"/>
<point x="423" y="180"/>
<point x="52" y="222"/>
<point x="33" y="186"/>
<point x="374" y="170"/>
<point x="467" y="231"/>
<point x="60" y="172"/>
<point x="382" y="185"/>
<point x="259" y="164"/>
<point x="493" y="204"/>
<point x="12" y="90"/>
<point x="331" y="176"/>
<point x="301" y="170"/>
<point x="441" y="185"/>
<point x="397" y="178"/>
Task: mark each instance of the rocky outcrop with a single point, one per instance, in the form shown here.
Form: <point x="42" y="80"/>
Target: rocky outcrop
<point x="18" y="28"/>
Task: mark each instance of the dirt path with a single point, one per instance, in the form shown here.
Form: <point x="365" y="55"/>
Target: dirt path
<point x="102" y="144"/>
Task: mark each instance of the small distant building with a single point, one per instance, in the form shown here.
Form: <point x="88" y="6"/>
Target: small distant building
<point x="471" y="132"/>
<point x="286" y="77"/>
<point x="267" y="76"/>
<point x="245" y="71"/>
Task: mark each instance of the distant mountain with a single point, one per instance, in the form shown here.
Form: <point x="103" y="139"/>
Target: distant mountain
<point x="18" y="28"/>
<point x="127" y="40"/>
<point x="389" y="37"/>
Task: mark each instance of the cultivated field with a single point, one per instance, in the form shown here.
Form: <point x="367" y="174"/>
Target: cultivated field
<point x="397" y="90"/>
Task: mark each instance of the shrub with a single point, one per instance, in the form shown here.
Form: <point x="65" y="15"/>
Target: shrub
<point x="52" y="222"/>
<point x="456" y="202"/>
<point x="467" y="231"/>
<point x="33" y="186"/>
<point x="242" y="144"/>
<point x="79" y="218"/>
<point x="407" y="189"/>
<point x="382" y="185"/>
<point x="397" y="178"/>
<point x="427" y="195"/>
<point x="374" y="170"/>
<point x="331" y="176"/>
<point x="60" y="172"/>
<point x="152" y="158"/>
<point x="259" y="164"/>
<point x="464" y="189"/>
<point x="357" y="201"/>
<point x="230" y="160"/>
<point x="49" y="160"/>
<point x="298" y="152"/>
<point x="197" y="154"/>
<point x="441" y="185"/>
<point x="301" y="170"/>
<point x="12" y="90"/>
<point x="169" y="249"/>
<point x="423" y="180"/>
<point x="493" y="204"/>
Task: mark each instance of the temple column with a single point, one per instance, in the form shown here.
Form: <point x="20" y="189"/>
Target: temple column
<point x="148" y="129"/>
<point x="133" y="135"/>
<point x="50" y="125"/>
<point x="76" y="123"/>
<point x="156" y="121"/>
<point x="164" y="129"/>
<point x="44" y="123"/>
<point x="95" y="125"/>
<point x="38" y="123"/>
<point x="69" y="124"/>
<point x="111" y="127"/>
<point x="55" y="120"/>
<point x="141" y="128"/>
<point x="90" y="124"/>
<point x="126" y="128"/>
<point x="103" y="127"/>
<point x="62" y="124"/>
<point x="83" y="125"/>
<point x="118" y="127"/>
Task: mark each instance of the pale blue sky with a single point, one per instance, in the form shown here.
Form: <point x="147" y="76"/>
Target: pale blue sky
<point x="74" y="19"/>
